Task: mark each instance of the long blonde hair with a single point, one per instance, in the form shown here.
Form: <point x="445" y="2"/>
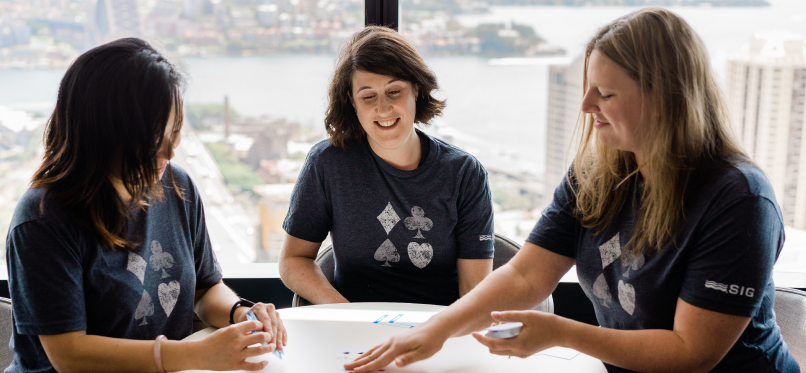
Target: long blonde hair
<point x="661" y="52"/>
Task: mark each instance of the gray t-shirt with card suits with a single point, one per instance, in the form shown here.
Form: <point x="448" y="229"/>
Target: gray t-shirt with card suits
<point x="396" y="234"/>
<point x="61" y="280"/>
<point x="726" y="247"/>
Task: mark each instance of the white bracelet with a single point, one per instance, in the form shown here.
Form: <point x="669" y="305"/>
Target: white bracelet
<point x="157" y="356"/>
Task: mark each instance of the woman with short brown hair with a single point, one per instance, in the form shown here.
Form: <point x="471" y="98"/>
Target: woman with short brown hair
<point x="410" y="215"/>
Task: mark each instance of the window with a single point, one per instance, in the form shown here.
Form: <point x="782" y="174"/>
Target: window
<point x="259" y="72"/>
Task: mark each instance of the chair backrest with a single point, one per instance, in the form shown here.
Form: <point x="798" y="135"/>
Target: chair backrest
<point x="327" y="263"/>
<point x="6" y="354"/>
<point x="790" y="313"/>
<point x="505" y="249"/>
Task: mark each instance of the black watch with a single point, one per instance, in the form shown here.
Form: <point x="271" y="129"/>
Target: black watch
<point x="239" y="303"/>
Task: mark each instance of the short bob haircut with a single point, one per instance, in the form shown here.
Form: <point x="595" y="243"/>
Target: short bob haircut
<point x="110" y="120"/>
<point x="378" y="50"/>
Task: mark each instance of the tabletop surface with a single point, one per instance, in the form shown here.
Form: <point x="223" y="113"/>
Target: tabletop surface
<point x="324" y="337"/>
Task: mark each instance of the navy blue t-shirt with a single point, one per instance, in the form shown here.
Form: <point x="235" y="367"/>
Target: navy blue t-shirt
<point x="726" y="248"/>
<point x="61" y="280"/>
<point x="396" y="234"/>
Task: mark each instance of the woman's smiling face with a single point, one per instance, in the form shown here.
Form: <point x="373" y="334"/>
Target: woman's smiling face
<point x="618" y="106"/>
<point x="386" y="108"/>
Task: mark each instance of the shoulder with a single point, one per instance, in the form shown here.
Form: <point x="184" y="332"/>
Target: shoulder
<point x="723" y="182"/>
<point x="34" y="206"/>
<point x="325" y="152"/>
<point x="454" y="157"/>
<point x="736" y="178"/>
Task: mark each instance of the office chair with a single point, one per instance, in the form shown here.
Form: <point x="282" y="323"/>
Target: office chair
<point x="505" y="249"/>
<point x="6" y="354"/>
<point x="790" y="313"/>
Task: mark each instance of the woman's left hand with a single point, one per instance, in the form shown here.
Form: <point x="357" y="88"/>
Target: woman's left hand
<point x="272" y="324"/>
<point x="540" y="331"/>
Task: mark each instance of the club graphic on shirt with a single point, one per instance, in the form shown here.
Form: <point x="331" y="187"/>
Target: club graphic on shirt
<point x="631" y="261"/>
<point x="420" y="254"/>
<point x="144" y="309"/>
<point x="388" y="218"/>
<point x="610" y="251"/>
<point x="137" y="265"/>
<point x="159" y="259"/>
<point x="602" y="291"/>
<point x="419" y="222"/>
<point x="169" y="294"/>
<point x="626" y="296"/>
<point x="386" y="253"/>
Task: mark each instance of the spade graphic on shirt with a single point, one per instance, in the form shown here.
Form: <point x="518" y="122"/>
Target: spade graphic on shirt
<point x="420" y="254"/>
<point x="169" y="294"/>
<point x="387" y="253"/>
<point x="160" y="260"/>
<point x="610" y="251"/>
<point x="144" y="309"/>
<point x="418" y="221"/>
<point x="626" y="296"/>
<point x="602" y="291"/>
<point x="631" y="261"/>
<point x="388" y="218"/>
<point x="137" y="265"/>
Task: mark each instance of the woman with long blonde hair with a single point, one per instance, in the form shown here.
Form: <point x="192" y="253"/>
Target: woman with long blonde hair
<point x="673" y="230"/>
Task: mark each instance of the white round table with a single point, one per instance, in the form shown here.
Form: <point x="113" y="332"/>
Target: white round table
<point x="318" y="337"/>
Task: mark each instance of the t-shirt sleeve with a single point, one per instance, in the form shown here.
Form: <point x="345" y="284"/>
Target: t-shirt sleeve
<point x="208" y="270"/>
<point x="309" y="212"/>
<point x="474" y="226"/>
<point x="45" y="279"/>
<point x="732" y="262"/>
<point x="557" y="228"/>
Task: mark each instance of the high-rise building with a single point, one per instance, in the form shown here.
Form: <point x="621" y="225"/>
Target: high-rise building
<point x="565" y="100"/>
<point x="766" y="91"/>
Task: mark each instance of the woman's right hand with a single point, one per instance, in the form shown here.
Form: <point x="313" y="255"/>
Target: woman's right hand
<point x="404" y="349"/>
<point x="227" y="348"/>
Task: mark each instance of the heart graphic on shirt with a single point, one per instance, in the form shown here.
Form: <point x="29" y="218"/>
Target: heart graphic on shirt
<point x="169" y="294"/>
<point x="420" y="254"/>
<point x="626" y="296"/>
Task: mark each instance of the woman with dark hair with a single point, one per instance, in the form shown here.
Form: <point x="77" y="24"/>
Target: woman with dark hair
<point x="107" y="256"/>
<point x="673" y="230"/>
<point x="410" y="215"/>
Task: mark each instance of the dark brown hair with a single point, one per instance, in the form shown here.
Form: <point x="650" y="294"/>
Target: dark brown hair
<point x="378" y="50"/>
<point x="111" y="114"/>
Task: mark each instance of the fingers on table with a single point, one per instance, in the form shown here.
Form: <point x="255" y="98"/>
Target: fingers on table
<point x="497" y="346"/>
<point x="282" y="336"/>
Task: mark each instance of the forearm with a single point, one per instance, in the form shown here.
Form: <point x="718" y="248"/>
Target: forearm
<point x="504" y="289"/>
<point x="215" y="305"/>
<point x="639" y="350"/>
<point x="91" y="353"/>
<point x="303" y="276"/>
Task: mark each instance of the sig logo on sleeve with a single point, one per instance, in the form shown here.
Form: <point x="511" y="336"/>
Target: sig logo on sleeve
<point x="731" y="289"/>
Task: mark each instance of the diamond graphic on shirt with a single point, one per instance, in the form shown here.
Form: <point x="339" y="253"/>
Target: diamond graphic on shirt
<point x="137" y="265"/>
<point x="626" y="296"/>
<point x="169" y="294"/>
<point x="144" y="309"/>
<point x="418" y="221"/>
<point x="387" y="252"/>
<point x="610" y="251"/>
<point x="602" y="291"/>
<point x="631" y="261"/>
<point x="388" y="218"/>
<point x="160" y="260"/>
<point x="420" y="254"/>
